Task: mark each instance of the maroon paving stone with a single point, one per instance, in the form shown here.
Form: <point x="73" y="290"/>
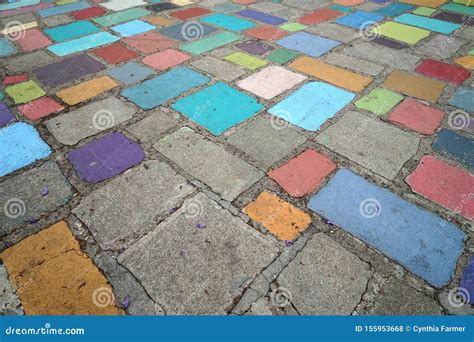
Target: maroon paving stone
<point x="88" y="13"/>
<point x="105" y="157"/>
<point x="255" y="47"/>
<point x="389" y="43"/>
<point x="69" y="69"/>
<point x="6" y="117"/>
<point x="443" y="71"/>
<point x="454" y="18"/>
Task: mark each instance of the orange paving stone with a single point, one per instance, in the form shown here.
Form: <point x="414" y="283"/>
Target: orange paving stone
<point x="53" y="277"/>
<point x="319" y="16"/>
<point x="414" y="85"/>
<point x="332" y="74"/>
<point x="159" y="20"/>
<point x="466" y="61"/>
<point x="86" y="90"/>
<point x="425" y="3"/>
<point x="281" y="218"/>
<point x="265" y="32"/>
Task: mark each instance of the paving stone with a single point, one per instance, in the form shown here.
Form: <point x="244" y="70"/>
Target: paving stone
<point x="455" y="146"/>
<point x="159" y="20"/>
<point x="441" y="46"/>
<point x="9" y="302"/>
<point x="334" y="32"/>
<point x="71" y="31"/>
<point x="166" y="59"/>
<point x="188" y="31"/>
<point x="149" y="42"/>
<point x="119" y="5"/>
<point x="132" y="28"/>
<point x="307" y="43"/>
<point x="50" y="264"/>
<point x="25" y="91"/>
<point x="402" y="227"/>
<point x="379" y="101"/>
<point x="67" y="8"/>
<point x="27" y="62"/>
<point x="282" y="56"/>
<point x="265" y="32"/>
<point x="255" y="47"/>
<point x="210" y="43"/>
<point x="465" y="61"/>
<point x="312" y="105"/>
<point x="266" y="142"/>
<point x="6" y="116"/>
<point x="162" y="7"/>
<point x="325" y="278"/>
<point x="246" y="60"/>
<point x="379" y="147"/>
<point x="220" y="69"/>
<point x="393" y="44"/>
<point x="444" y="184"/>
<point x="267" y="7"/>
<point x="293" y="27"/>
<point x="15" y="79"/>
<point x="271" y="81"/>
<point x="83" y="43"/>
<point x="319" y="16"/>
<point x="427" y="3"/>
<point x="218" y="107"/>
<point x="393" y="9"/>
<point x="72" y="127"/>
<point x="86" y="90"/>
<point x="463" y="98"/>
<point x="189" y="13"/>
<point x="227" y="22"/>
<point x="417" y="116"/>
<point x="88" y="13"/>
<point x="353" y="63"/>
<point x="358" y="19"/>
<point x="130" y="203"/>
<point x="121" y="16"/>
<point x="130" y="73"/>
<point x="153" y="126"/>
<point x="400" y="32"/>
<point x="305" y="4"/>
<point x="176" y="246"/>
<point x="467" y="280"/>
<point x="199" y="157"/>
<point x="413" y="85"/>
<point x="427" y="23"/>
<point x="32" y="39"/>
<point x="225" y="7"/>
<point x="22" y="197"/>
<point x="262" y="17"/>
<point x="279" y="217"/>
<point x="443" y="71"/>
<point x="115" y="53"/>
<point x="56" y="20"/>
<point x="40" y="108"/>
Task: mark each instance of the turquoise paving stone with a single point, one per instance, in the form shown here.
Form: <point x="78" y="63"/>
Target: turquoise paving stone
<point x="307" y="43"/>
<point x="75" y="6"/>
<point x="130" y="73"/>
<point x="158" y="90"/>
<point x="455" y="146"/>
<point x="421" y="241"/>
<point x="463" y="98"/>
<point x="132" y="28"/>
<point x="218" y="107"/>
<point x="359" y="19"/>
<point x="71" y="31"/>
<point x="210" y="43"/>
<point x="427" y="23"/>
<point x="228" y="22"/>
<point x="21" y="145"/>
<point x="457" y="8"/>
<point x="393" y="9"/>
<point x="14" y="5"/>
<point x="312" y="105"/>
<point x="6" y="47"/>
<point x="341" y="8"/>
<point x="81" y="44"/>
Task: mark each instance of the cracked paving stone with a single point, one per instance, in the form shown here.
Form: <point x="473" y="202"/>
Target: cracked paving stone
<point x="9" y="302"/>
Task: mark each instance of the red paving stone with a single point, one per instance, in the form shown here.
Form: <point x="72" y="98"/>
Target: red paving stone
<point x="266" y="33"/>
<point x="190" y="13"/>
<point x="443" y="71"/>
<point x="165" y="59"/>
<point x="319" y="16"/>
<point x="149" y="42"/>
<point x="444" y="184"/>
<point x="304" y="173"/>
<point x="88" y="13"/>
<point x="115" y="53"/>
<point x="417" y="116"/>
<point x="32" y="40"/>
<point x="40" y="108"/>
<point x="15" y="79"/>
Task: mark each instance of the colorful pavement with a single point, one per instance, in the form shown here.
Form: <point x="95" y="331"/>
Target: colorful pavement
<point x="285" y="157"/>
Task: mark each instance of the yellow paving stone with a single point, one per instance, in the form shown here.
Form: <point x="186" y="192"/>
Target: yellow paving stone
<point x="332" y="74"/>
<point x="86" y="90"/>
<point x="466" y="61"/>
<point x="159" y="20"/>
<point x="281" y="218"/>
<point x="53" y="277"/>
<point x="414" y="85"/>
<point x="425" y="3"/>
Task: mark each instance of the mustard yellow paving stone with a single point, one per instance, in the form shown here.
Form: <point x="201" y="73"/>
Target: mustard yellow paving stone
<point x="466" y="61"/>
<point x="425" y="3"/>
<point x="86" y="90"/>
<point x="413" y="85"/>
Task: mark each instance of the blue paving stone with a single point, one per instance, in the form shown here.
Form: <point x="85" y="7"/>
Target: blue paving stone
<point x="228" y="22"/>
<point x="427" y="23"/>
<point x="130" y="73"/>
<point x="463" y="98"/>
<point x="312" y="105"/>
<point x="467" y="280"/>
<point x="6" y="47"/>
<point x="81" y="44"/>
<point x="359" y="19"/>
<point x="455" y="146"/>
<point x="133" y="28"/>
<point x="177" y="32"/>
<point x="262" y="17"/>
<point x="158" y="90"/>
<point x="75" y="6"/>
<point x="218" y="107"/>
<point x="71" y="31"/>
<point x="14" y="5"/>
<point x="308" y="43"/>
<point x="393" y="9"/>
<point x="21" y="145"/>
<point x="421" y="241"/>
<point x="6" y="116"/>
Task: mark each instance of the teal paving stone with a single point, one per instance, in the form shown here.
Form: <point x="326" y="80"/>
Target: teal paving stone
<point x="419" y="240"/>
<point x="463" y="98"/>
<point x="218" y="107"/>
<point x="184" y="31"/>
<point x="71" y="31"/>
<point x="21" y="145"/>
<point x="393" y="9"/>
<point x="158" y="90"/>
<point x="226" y="7"/>
<point x="307" y="43"/>
<point x="457" y="8"/>
<point x="133" y="28"/>
<point x="81" y="44"/>
<point x="6" y="47"/>
<point x="359" y="19"/>
<point x="228" y="22"/>
<point x="121" y="16"/>
<point x="341" y="8"/>
<point x="75" y="6"/>
<point x="210" y="43"/>
<point x="312" y="105"/>
<point x="130" y="73"/>
<point x="427" y="23"/>
<point x="455" y="146"/>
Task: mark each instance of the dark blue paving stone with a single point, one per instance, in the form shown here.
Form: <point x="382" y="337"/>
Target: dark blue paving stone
<point x="467" y="281"/>
<point x="6" y="116"/>
<point x="178" y="33"/>
<point x="389" y="43"/>
<point x="161" y="7"/>
<point x="255" y="47"/>
<point x="262" y="17"/>
<point x="455" y="146"/>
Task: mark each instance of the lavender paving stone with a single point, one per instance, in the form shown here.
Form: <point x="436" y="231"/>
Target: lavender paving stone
<point x="130" y="73"/>
<point x="71" y="31"/>
<point x="76" y="6"/>
<point x="6" y="47"/>
<point x="67" y="70"/>
<point x="421" y="241"/>
<point x="262" y="17"/>
<point x="105" y="157"/>
<point x="389" y="43"/>
<point x="6" y="116"/>
<point x="132" y="28"/>
<point x="228" y="22"/>
<point x="359" y="19"/>
<point x="455" y="146"/>
<point x="467" y="280"/>
<point x="393" y="9"/>
<point x="463" y="98"/>
<point x="308" y="43"/>
<point x="181" y="31"/>
<point x="255" y="47"/>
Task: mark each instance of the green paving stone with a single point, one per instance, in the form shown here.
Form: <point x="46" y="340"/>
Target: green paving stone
<point x="293" y="27"/>
<point x="458" y="9"/>
<point x="120" y="17"/>
<point x="471" y="52"/>
<point x="401" y="32"/>
<point x="282" y="56"/>
<point x="246" y="60"/>
<point x="25" y="92"/>
<point x="210" y="43"/>
<point x="425" y="11"/>
<point x="379" y="101"/>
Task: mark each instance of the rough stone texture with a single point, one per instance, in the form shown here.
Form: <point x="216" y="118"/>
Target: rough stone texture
<point x="333" y="31"/>
<point x="28" y="62"/>
<point x="153" y="126"/>
<point x="353" y="63"/>
<point x="220" y="69"/>
<point x="9" y="302"/>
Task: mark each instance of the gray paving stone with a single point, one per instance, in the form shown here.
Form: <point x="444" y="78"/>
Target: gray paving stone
<point x="28" y="62"/>
<point x="31" y="195"/>
<point x="353" y="63"/>
<point x="218" y="68"/>
<point x="334" y="31"/>
<point x="325" y="278"/>
<point x="307" y="5"/>
<point x="378" y="146"/>
<point x="55" y="20"/>
<point x="191" y="270"/>
<point x="440" y="46"/>
<point x="22" y="18"/>
<point x="292" y="14"/>
<point x="223" y="172"/>
<point x="72" y="127"/>
<point x="267" y="7"/>
<point x="130" y="203"/>
<point x="466" y="33"/>
<point x="265" y="142"/>
<point x="264" y="307"/>
<point x="9" y="302"/>
<point x="153" y="126"/>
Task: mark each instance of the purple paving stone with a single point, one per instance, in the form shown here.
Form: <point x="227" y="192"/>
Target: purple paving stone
<point x="69" y="69"/>
<point x="467" y="281"/>
<point x="389" y="43"/>
<point x="262" y="17"/>
<point x="255" y="47"/>
<point x="105" y="157"/>
<point x="454" y="18"/>
<point x="6" y="117"/>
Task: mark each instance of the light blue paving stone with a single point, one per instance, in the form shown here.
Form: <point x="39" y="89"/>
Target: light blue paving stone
<point x="427" y="23"/>
<point x="312" y="105"/>
<point x="226" y="7"/>
<point x="21" y="145"/>
<point x="227" y="21"/>
<point x="218" y="107"/>
<point x="421" y="241"/>
<point x="14" y="5"/>
<point x="6" y="47"/>
<point x="308" y="43"/>
<point x="359" y="19"/>
<point x="463" y="98"/>
<point x="130" y="73"/>
<point x="81" y="44"/>
<point x="183" y="31"/>
<point x="393" y="9"/>
<point x="455" y="146"/>
<point x="75" y="6"/>
<point x="133" y="28"/>
<point x="71" y="31"/>
<point x="158" y="90"/>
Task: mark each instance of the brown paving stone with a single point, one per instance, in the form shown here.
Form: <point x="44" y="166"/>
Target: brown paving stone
<point x="413" y="85"/>
<point x="319" y="16"/>
<point x="115" y="53"/>
<point x="190" y="13"/>
<point x="86" y="90"/>
<point x="159" y="20"/>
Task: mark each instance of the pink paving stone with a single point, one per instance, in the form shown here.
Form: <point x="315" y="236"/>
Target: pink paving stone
<point x="165" y="59"/>
<point x="443" y="71"/>
<point x="319" y="16"/>
<point x="444" y="184"/>
<point x="33" y="39"/>
<point x="417" y="116"/>
<point x="149" y="42"/>
<point x="304" y="173"/>
<point x="15" y="79"/>
<point x="40" y="108"/>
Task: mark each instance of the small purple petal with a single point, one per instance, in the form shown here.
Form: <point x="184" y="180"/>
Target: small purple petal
<point x="288" y="243"/>
<point x="44" y="191"/>
<point x="330" y="223"/>
<point x="200" y="226"/>
<point x="126" y="302"/>
<point x="182" y="254"/>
